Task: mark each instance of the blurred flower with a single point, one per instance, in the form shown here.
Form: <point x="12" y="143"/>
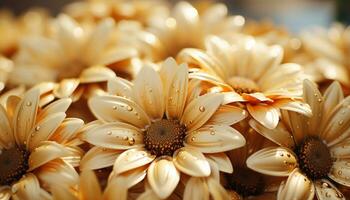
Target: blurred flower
<point x="159" y="126"/>
<point x="249" y="72"/>
<point x="38" y="147"/>
<point x="314" y="151"/>
<point x="6" y="65"/>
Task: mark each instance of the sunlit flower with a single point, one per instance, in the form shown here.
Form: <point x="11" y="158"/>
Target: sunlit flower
<point x="38" y="147"/>
<point x="249" y="72"/>
<point x="70" y="49"/>
<point x="314" y="151"/>
<point x="183" y="27"/>
<point x="325" y="54"/>
<point x="159" y="126"/>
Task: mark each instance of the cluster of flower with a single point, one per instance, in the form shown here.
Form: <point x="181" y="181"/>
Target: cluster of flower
<point x="138" y="99"/>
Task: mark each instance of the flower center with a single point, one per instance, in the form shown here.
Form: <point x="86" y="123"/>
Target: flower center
<point x="314" y="158"/>
<point x="163" y="137"/>
<point x="243" y="85"/>
<point x="13" y="165"/>
<point x="246" y="182"/>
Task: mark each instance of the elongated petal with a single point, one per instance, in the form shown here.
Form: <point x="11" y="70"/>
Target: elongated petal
<point x="148" y="195"/>
<point x="46" y="152"/>
<point x="27" y="187"/>
<point x="215" y="139"/>
<point x="66" y="88"/>
<point x="116" y="188"/>
<point x="148" y="92"/>
<point x="294" y="106"/>
<point x="5" y="193"/>
<point x="340" y="172"/>
<point x="132" y="159"/>
<point x="222" y="161"/>
<point x="279" y="135"/>
<point x="228" y="115"/>
<point x="131" y="177"/>
<point x="191" y="162"/>
<point x="112" y="108"/>
<point x="25" y="116"/>
<point x="274" y="161"/>
<point x="115" y="136"/>
<point x="96" y="74"/>
<point x="332" y="97"/>
<point x="60" y="105"/>
<point x="163" y="177"/>
<point x="6" y="134"/>
<point x="341" y="150"/>
<point x="97" y="158"/>
<point x="297" y="187"/>
<point x="196" y="188"/>
<point x="89" y="187"/>
<point x="177" y="93"/>
<point x="120" y="87"/>
<point x="62" y="193"/>
<point x="216" y="190"/>
<point x="326" y="190"/>
<point x="67" y="130"/>
<point x="200" y="110"/>
<point x="44" y="129"/>
<point x="266" y="115"/>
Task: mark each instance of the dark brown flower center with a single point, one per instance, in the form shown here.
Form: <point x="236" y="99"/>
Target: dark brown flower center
<point x="243" y="85"/>
<point x="314" y="158"/>
<point x="163" y="137"/>
<point x="13" y="165"/>
<point x="246" y="182"/>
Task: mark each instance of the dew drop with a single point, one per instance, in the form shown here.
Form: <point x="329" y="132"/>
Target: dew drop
<point x="115" y="107"/>
<point x="131" y="141"/>
<point x="125" y="138"/>
<point x="109" y="133"/>
<point x="28" y="103"/>
<point x="37" y="128"/>
<point x="340" y="172"/>
<point x="193" y="138"/>
<point x="201" y="108"/>
<point x="341" y="122"/>
<point x="129" y="108"/>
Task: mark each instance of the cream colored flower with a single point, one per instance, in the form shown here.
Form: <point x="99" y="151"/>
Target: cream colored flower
<point x="250" y="73"/>
<point x="159" y="126"/>
<point x="6" y="65"/>
<point x="70" y="49"/>
<point x="38" y="147"/>
<point x="245" y="183"/>
<point x="183" y="27"/>
<point x="315" y="151"/>
<point x="325" y="54"/>
<point x="96" y="10"/>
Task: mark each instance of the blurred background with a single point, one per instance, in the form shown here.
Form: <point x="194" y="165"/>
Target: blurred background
<point x="293" y="14"/>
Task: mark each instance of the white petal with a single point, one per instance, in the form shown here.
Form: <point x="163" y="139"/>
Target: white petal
<point x="326" y="190"/>
<point x="340" y="172"/>
<point x="67" y="130"/>
<point x="177" y="93"/>
<point x="131" y="177"/>
<point x="89" y="187"/>
<point x="60" y="105"/>
<point x="6" y="134"/>
<point x="332" y="97"/>
<point x="216" y="190"/>
<point x="132" y="159"/>
<point x="120" y="87"/>
<point x="297" y="187"/>
<point x="274" y="161"/>
<point x="222" y="161"/>
<point x="191" y="162"/>
<point x="113" y="108"/>
<point x="200" y="110"/>
<point x="163" y="177"/>
<point x="148" y="92"/>
<point x="97" y="158"/>
<point x="264" y="114"/>
<point x="115" y="135"/>
<point x="66" y="88"/>
<point x="96" y="74"/>
<point x="27" y="187"/>
<point x="148" y="195"/>
<point x="228" y="115"/>
<point x="196" y="188"/>
<point x="215" y="139"/>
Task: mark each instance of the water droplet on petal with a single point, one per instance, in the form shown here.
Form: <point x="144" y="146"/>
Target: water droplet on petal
<point x="131" y="141"/>
<point x="37" y="128"/>
<point x="129" y="108"/>
<point x="201" y="108"/>
<point x="115" y="107"/>
<point x="28" y="103"/>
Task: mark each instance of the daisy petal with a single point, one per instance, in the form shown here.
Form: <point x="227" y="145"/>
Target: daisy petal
<point x="167" y="73"/>
<point x="44" y="129"/>
<point x="112" y="108"/>
<point x="46" y="152"/>
<point x="25" y="116"/>
<point x="62" y="193"/>
<point x="228" y="115"/>
<point x="131" y="177"/>
<point x="6" y="135"/>
<point x="279" y="135"/>
<point x="5" y="193"/>
<point x="216" y="190"/>
<point x="148" y="195"/>
<point x="67" y="130"/>
<point x="215" y="139"/>
<point x="332" y="97"/>
<point x="340" y="172"/>
<point x="297" y="187"/>
<point x="163" y="177"/>
<point x="196" y="188"/>
<point x="132" y="159"/>
<point x="89" y="186"/>
<point x="66" y="88"/>
<point x="274" y="161"/>
<point x="120" y="87"/>
<point x="116" y="188"/>
<point x="341" y="150"/>
<point x="27" y="187"/>
<point x="97" y="158"/>
<point x="148" y="92"/>
<point x="266" y="115"/>
<point x="222" y="161"/>
<point x="191" y="162"/>
<point x="177" y="93"/>
<point x="116" y="135"/>
<point x="294" y="106"/>
<point x="200" y="110"/>
<point x="326" y="190"/>
<point x="60" y="105"/>
<point x="96" y="74"/>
